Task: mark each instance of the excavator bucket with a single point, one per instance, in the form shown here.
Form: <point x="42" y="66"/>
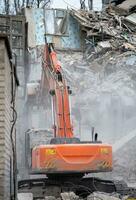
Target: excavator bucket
<point x="72" y="158"/>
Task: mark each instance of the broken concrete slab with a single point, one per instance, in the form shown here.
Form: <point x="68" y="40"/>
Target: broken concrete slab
<point x="25" y="196"/>
<point x="69" y="196"/>
<point x="131" y="18"/>
<point x="102" y="196"/>
<point x="127" y="5"/>
<point x="50" y="198"/>
<point x="104" y="44"/>
<point x="128" y="46"/>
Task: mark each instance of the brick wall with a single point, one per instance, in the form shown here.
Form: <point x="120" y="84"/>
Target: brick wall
<point x="5" y="121"/>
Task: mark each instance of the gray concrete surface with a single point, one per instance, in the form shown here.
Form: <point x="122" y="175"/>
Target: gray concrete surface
<point x="25" y="196"/>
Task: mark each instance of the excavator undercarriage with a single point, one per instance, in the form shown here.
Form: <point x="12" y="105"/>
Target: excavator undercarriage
<point x="83" y="187"/>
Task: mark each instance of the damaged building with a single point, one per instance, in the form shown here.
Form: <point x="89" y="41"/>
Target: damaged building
<point x="97" y="52"/>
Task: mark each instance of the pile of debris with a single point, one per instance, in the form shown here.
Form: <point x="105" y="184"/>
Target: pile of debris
<point x="113" y="29"/>
<point x="107" y="101"/>
<point x="93" y="196"/>
<point x="73" y="196"/>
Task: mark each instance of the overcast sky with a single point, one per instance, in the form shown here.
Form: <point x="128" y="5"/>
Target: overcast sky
<point x="66" y="3"/>
<point x="97" y="4"/>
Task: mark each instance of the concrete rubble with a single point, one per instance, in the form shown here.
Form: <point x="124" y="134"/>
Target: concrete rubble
<point x="102" y="196"/>
<point x="25" y="196"/>
<point x="93" y="196"/>
<point x="50" y="198"/>
<point x="105" y="196"/>
<point x="126" y="6"/>
<point x="69" y="196"/>
<point x="111" y="76"/>
<point x="110" y="50"/>
<point x="108" y="30"/>
<point x="107" y="70"/>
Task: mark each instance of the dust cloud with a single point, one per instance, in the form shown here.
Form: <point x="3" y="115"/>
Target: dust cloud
<point x="104" y="97"/>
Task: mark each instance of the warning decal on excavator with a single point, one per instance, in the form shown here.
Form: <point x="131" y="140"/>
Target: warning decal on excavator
<point x="50" y="151"/>
<point x="103" y="165"/>
<point x="50" y="164"/>
<point x="104" y="151"/>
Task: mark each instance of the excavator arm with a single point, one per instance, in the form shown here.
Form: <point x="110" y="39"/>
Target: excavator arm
<point x="59" y="92"/>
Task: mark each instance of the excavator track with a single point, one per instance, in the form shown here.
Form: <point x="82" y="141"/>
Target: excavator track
<point x="82" y="187"/>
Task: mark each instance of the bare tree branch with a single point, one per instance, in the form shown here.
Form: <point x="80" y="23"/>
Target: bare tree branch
<point x="6" y="6"/>
<point x="46" y="3"/>
<point x="32" y="3"/>
<point x="27" y="3"/>
<point x="38" y="3"/>
<point x="18" y="4"/>
<point x="15" y="5"/>
<point x="23" y="3"/>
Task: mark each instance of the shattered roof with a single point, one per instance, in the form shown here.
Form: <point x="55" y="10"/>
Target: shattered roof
<point x="127" y="5"/>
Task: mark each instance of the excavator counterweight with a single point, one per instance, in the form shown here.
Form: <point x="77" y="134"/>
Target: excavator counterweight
<point x="72" y="158"/>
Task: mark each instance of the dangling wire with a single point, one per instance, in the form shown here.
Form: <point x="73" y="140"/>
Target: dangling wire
<point x="13" y="121"/>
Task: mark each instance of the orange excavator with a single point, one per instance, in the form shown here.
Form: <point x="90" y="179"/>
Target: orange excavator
<point x="66" y="154"/>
